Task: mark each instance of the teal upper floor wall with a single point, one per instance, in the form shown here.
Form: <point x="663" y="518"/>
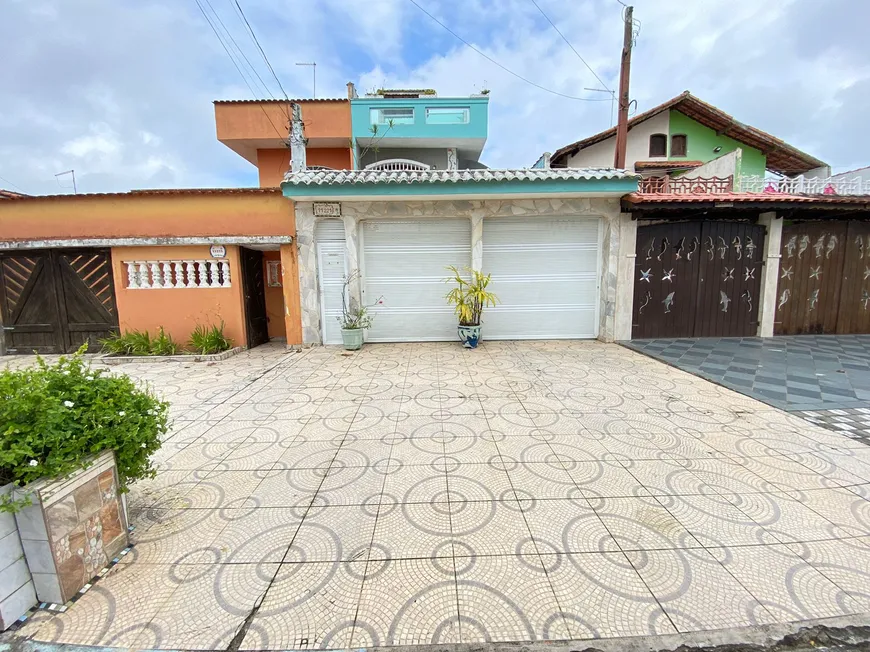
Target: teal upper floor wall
<point x="701" y="141"/>
<point x="442" y="123"/>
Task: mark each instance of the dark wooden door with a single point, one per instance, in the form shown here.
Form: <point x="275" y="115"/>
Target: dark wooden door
<point x="813" y="255"/>
<point x="697" y="279"/>
<point x="52" y="301"/>
<point x="254" y="288"/>
<point x="853" y="315"/>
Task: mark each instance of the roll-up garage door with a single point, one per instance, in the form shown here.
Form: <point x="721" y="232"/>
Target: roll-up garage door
<point x="545" y="272"/>
<point x="331" y="270"/>
<point x="404" y="261"/>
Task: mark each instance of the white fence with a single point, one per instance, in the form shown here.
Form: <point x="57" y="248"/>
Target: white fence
<point x="167" y="274"/>
<point x="801" y="185"/>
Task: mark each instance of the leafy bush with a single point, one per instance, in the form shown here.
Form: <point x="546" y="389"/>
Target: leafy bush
<point x="54" y="417"/>
<point x="140" y="343"/>
<point x="163" y="344"/>
<point x="209" y="339"/>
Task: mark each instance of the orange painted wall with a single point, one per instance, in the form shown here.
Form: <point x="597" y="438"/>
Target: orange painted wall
<point x="259" y="120"/>
<point x="274" y="163"/>
<point x="178" y="310"/>
<point x="147" y="215"/>
<point x="274" y="299"/>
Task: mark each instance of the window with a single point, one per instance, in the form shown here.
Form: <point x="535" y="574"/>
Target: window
<point x="678" y="145"/>
<point x="658" y="145"/>
<point x="447" y="116"/>
<point x="398" y="116"/>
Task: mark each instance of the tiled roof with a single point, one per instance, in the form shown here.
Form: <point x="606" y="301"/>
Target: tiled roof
<point x="666" y="165"/>
<point x="160" y="191"/>
<point x="337" y="177"/>
<point x="274" y="101"/>
<point x="8" y="194"/>
<point x="781" y="157"/>
<point x="637" y="198"/>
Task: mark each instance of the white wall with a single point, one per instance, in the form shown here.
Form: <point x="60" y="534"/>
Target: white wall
<point x="637" y="149"/>
<point x="726" y="165"/>
<point x="863" y="174"/>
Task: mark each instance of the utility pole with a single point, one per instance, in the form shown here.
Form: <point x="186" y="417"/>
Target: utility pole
<point x="624" y="73"/>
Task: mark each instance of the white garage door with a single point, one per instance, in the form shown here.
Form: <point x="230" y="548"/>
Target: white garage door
<point x="404" y="262"/>
<point x="545" y="273"/>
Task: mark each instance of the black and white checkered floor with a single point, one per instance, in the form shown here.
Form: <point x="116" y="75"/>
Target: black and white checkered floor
<point x="823" y="378"/>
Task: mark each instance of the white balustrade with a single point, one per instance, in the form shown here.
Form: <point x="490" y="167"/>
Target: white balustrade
<point x="801" y="185"/>
<point x="172" y="274"/>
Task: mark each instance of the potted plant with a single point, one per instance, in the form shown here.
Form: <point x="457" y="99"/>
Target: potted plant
<point x="469" y="298"/>
<point x="72" y="439"/>
<point x="355" y="319"/>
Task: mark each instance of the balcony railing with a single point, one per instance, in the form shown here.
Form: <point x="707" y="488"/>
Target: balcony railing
<point x="170" y="274"/>
<point x="680" y="186"/>
<point x="801" y="185"/>
<point x="398" y="165"/>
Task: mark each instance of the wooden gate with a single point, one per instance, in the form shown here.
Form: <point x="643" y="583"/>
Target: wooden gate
<point x="254" y="288"/>
<point x="52" y="301"/>
<point x="697" y="279"/>
<point x="824" y="278"/>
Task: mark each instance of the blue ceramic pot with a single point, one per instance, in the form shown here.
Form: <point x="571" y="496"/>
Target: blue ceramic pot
<point x="469" y="336"/>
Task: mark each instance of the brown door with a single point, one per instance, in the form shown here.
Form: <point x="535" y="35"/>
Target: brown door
<point x="53" y="301"/>
<point x="697" y="279"/>
<point x="254" y="288"/>
<point x="810" y="277"/>
<point x="854" y="313"/>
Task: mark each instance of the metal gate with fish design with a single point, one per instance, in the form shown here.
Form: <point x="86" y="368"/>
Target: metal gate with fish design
<point x="824" y="278"/>
<point x="697" y="279"/>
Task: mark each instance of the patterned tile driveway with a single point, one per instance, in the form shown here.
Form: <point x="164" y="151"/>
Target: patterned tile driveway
<point x="422" y="493"/>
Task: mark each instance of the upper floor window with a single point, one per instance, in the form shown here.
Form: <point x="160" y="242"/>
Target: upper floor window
<point x="658" y="145"/>
<point x="398" y="116"/>
<point x="678" y="145"/>
<point x="447" y="116"/>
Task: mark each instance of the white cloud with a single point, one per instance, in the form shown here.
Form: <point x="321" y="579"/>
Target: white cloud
<point x="121" y="90"/>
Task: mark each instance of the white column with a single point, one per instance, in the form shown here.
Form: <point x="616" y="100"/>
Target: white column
<point x="156" y="279"/>
<point x="225" y="271"/>
<point x="167" y="274"/>
<point x="190" y="269"/>
<point x="201" y="270"/>
<point x="770" y="273"/>
<point x="178" y="266"/>
<point x="132" y="276"/>
<point x="213" y="267"/>
<point x="477" y="240"/>
<point x="452" y="159"/>
<point x="143" y="275"/>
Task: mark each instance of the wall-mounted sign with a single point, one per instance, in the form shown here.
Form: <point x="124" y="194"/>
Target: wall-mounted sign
<point x="217" y="251"/>
<point x="327" y="209"/>
<point x="273" y="273"/>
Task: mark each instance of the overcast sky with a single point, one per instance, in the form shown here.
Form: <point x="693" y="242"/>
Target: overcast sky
<point x="121" y="90"/>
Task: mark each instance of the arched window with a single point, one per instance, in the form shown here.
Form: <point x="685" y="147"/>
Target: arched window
<point x="679" y="145"/>
<point x="658" y="145"/>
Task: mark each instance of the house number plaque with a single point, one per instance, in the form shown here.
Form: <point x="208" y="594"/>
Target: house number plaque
<point x="327" y="209"/>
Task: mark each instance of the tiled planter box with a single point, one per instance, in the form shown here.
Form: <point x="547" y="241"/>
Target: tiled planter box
<point x="74" y="527"/>
<point x="111" y="358"/>
<point x="17" y="594"/>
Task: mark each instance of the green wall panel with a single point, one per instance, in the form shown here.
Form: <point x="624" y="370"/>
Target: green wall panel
<point x="701" y="142"/>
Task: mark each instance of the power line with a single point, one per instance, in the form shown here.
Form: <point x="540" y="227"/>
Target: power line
<point x="600" y="81"/>
<point x="11" y="184"/>
<point x="260" y="48"/>
<point x="507" y="70"/>
<point x="236" y="65"/>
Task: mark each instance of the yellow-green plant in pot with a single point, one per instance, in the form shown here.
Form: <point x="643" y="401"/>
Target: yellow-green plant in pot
<point x="469" y="298"/>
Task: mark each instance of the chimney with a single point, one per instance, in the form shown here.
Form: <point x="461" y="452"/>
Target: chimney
<point x="351" y="91"/>
<point x="297" y="140"/>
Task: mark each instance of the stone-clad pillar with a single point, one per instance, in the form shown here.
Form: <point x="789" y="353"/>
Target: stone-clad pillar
<point x="309" y="297"/>
<point x="770" y="273"/>
<point x="625" y="277"/>
<point x="477" y="240"/>
<point x="351" y="248"/>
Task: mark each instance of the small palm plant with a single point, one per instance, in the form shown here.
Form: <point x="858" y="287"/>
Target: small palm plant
<point x="470" y="295"/>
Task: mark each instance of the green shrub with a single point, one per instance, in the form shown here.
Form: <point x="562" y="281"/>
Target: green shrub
<point x="163" y="344"/>
<point x="209" y="339"/>
<point x="53" y="417"/>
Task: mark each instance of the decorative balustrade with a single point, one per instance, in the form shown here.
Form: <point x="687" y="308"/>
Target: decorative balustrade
<point x="801" y="185"/>
<point x="169" y="274"/>
<point x="398" y="165"/>
<point x="681" y="186"/>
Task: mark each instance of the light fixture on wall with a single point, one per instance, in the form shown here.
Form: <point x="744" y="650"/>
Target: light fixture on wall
<point x="718" y="149"/>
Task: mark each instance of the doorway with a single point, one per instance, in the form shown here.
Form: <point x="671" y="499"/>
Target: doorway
<point x="254" y="290"/>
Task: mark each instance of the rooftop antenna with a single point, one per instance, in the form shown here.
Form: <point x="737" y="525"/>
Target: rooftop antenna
<point x="73" y="173"/>
<point x="612" y="99"/>
<point x="313" y="65"/>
